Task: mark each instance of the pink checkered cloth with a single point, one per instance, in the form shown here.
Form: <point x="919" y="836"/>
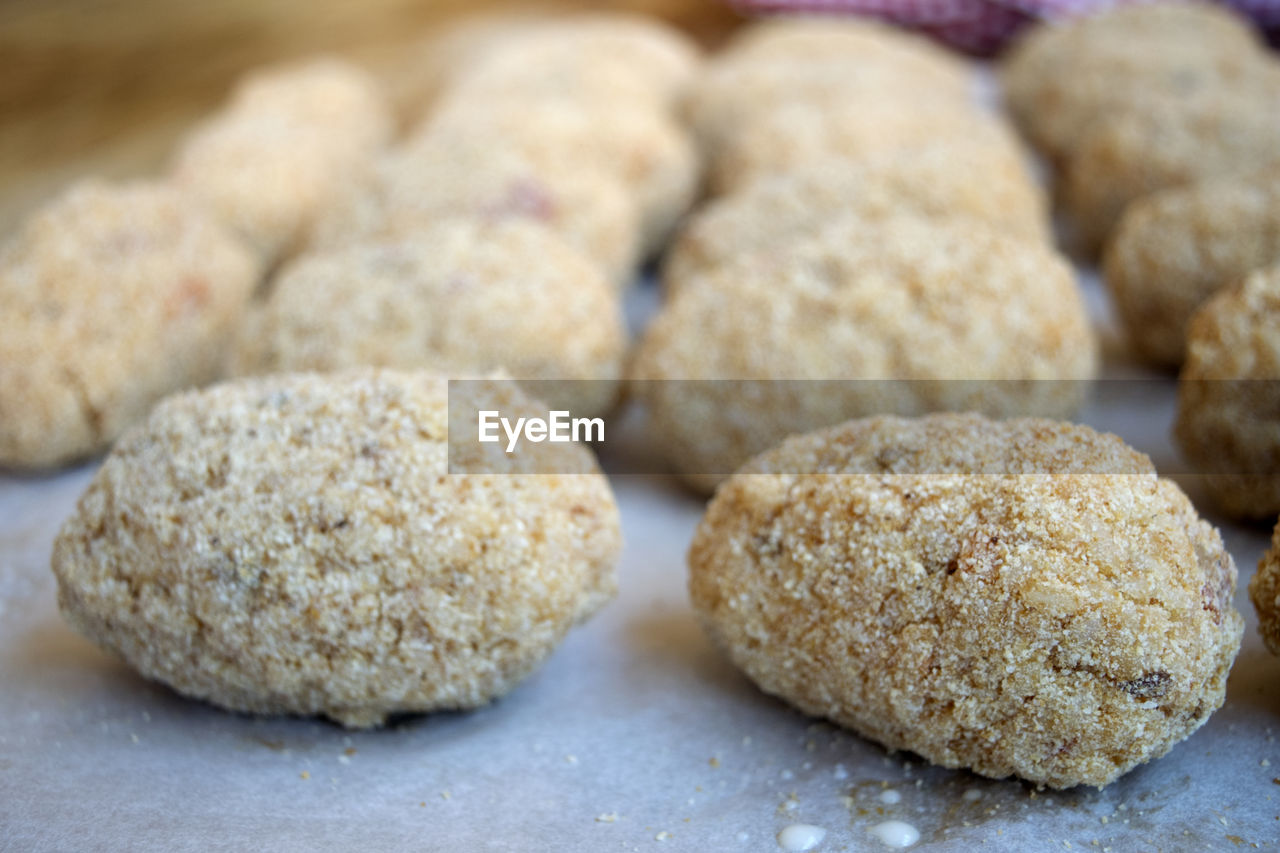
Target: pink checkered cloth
<point x="978" y="26"/>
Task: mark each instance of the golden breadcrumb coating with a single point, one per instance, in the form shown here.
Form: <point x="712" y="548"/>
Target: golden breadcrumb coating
<point x="1165" y="144"/>
<point x="283" y="149"/>
<point x="800" y="38"/>
<point x="943" y="178"/>
<point x="428" y="66"/>
<point x="321" y="91"/>
<point x="111" y="297"/>
<point x="294" y="545"/>
<point x="461" y="297"/>
<point x="1264" y="592"/>
<point x="1017" y="598"/>
<point x="1060" y="78"/>
<point x="817" y="61"/>
<point x="647" y="152"/>
<point x="794" y="136"/>
<point x="1229" y="396"/>
<point x="589" y="59"/>
<point x="1174" y="249"/>
<point x="417" y="186"/>
<point x="900" y="300"/>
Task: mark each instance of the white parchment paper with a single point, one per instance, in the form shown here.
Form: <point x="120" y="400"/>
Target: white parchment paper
<point x="635" y="736"/>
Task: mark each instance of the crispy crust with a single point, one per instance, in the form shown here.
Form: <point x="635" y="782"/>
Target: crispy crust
<point x="937" y="178"/>
<point x="798" y="134"/>
<point x="587" y="59"/>
<point x="461" y="297"/>
<point x="438" y="178"/>
<point x="901" y="299"/>
<point x="820" y="61"/>
<point x="645" y="151"/>
<point x="283" y="150"/>
<point x="1175" y="249"/>
<point x="1227" y="425"/>
<point x="1058" y="79"/>
<point x="1264" y="592"/>
<point x="1166" y="143"/>
<point x="1062" y="627"/>
<point x="112" y="296"/>
<point x="293" y="545"/>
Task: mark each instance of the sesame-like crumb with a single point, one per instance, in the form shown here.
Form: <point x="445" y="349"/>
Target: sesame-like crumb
<point x="1062" y="624"/>
<point x="294" y="544"/>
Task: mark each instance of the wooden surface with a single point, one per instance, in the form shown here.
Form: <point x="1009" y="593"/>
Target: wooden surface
<point x="106" y="87"/>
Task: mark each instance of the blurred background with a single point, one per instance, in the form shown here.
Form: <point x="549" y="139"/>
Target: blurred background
<point x="106" y="87"/>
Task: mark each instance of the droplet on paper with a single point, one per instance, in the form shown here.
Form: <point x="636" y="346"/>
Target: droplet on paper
<point x="801" y="836"/>
<point x="895" y="833"/>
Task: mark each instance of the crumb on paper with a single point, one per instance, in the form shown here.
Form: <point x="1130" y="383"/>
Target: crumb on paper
<point x="713" y="761"/>
<point x="304" y="775"/>
<point x="607" y="817"/>
<point x="662" y="836"/>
